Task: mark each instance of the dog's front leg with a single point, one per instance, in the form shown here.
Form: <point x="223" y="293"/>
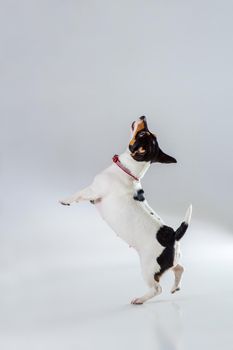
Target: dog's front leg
<point x="87" y="194"/>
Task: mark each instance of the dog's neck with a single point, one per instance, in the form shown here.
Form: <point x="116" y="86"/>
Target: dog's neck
<point x="138" y="169"/>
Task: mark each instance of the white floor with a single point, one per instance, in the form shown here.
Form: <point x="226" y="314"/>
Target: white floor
<point x="67" y="280"/>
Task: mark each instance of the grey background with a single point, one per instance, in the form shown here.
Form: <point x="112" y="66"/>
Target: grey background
<point x="74" y="75"/>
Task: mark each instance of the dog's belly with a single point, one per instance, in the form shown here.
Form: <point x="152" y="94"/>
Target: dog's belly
<point x="129" y="220"/>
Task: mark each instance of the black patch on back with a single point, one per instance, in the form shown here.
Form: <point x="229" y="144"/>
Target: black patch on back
<point x="166" y="237"/>
<point x="139" y="196"/>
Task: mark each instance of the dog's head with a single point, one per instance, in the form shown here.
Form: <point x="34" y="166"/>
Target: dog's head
<point x="144" y="146"/>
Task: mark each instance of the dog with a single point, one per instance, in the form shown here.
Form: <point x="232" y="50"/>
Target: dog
<point x="118" y="196"/>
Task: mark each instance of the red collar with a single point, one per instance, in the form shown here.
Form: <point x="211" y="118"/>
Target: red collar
<point x="117" y="161"/>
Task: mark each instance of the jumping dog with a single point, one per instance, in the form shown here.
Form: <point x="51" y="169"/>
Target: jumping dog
<point x="118" y="196"/>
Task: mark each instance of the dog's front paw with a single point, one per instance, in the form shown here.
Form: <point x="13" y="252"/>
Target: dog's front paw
<point x="137" y="301"/>
<point x="64" y="202"/>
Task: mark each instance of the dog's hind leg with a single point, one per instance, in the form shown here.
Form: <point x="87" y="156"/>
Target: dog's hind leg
<point x="152" y="292"/>
<point x="178" y="272"/>
<point x="87" y="194"/>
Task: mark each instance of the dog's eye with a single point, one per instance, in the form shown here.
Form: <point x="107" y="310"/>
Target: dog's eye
<point x="142" y="133"/>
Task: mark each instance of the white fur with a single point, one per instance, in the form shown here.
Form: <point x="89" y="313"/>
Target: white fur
<point x="188" y="215"/>
<point x="112" y="191"/>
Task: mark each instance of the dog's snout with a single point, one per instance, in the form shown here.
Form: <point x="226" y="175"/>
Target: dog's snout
<point x="137" y="126"/>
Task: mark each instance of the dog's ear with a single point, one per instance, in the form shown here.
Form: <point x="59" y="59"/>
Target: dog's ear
<point x="163" y="158"/>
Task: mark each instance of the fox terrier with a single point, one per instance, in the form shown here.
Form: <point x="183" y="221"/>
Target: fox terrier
<point x="118" y="196"/>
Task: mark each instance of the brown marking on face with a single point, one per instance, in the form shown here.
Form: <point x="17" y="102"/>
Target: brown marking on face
<point x="140" y="126"/>
<point x="140" y="150"/>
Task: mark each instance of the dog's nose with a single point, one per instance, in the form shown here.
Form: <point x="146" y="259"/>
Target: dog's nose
<point x="142" y="117"/>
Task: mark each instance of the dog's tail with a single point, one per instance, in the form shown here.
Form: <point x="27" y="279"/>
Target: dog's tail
<point x="184" y="225"/>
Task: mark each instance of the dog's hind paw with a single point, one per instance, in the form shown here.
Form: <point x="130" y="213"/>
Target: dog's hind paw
<point x="137" y="301"/>
<point x="175" y="289"/>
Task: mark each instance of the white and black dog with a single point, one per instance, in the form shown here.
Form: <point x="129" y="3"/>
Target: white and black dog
<point x="117" y="194"/>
